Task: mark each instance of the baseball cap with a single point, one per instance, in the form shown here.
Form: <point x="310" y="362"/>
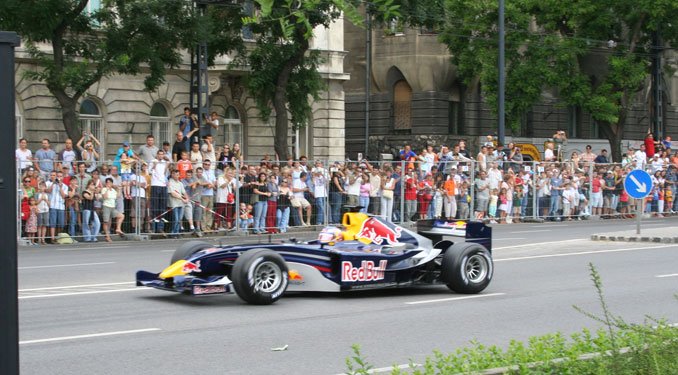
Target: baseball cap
<point x="125" y="143"/>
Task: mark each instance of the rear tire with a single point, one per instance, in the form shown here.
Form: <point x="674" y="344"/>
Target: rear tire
<point x="467" y="268"/>
<point x="187" y="249"/>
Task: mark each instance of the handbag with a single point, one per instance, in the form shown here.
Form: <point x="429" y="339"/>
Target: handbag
<point x="387" y="194"/>
<point x="295" y="202"/>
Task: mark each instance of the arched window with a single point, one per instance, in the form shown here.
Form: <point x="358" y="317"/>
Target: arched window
<point x="91" y="122"/>
<point x="160" y="124"/>
<point x="19" y="121"/>
<point x="232" y="127"/>
<point x="402" y="105"/>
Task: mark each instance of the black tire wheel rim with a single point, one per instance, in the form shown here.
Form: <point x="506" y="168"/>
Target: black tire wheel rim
<point x="477" y="268"/>
<point x="267" y="277"/>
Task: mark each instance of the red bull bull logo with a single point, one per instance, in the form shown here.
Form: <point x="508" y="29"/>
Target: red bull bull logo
<point x="366" y="272"/>
<point x="378" y="232"/>
<point x="190" y="267"/>
<point x="294" y="275"/>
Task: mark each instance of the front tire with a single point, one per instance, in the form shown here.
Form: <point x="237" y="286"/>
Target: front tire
<point x="260" y="276"/>
<point x="187" y="249"/>
<point x="467" y="268"/>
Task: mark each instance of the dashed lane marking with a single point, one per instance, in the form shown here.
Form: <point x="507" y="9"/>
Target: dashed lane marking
<point x="64" y="265"/>
<point x="74" y="290"/>
<point x="77" y="337"/>
<point x="454" y="298"/>
<point x="582" y="253"/>
<point x="668" y="275"/>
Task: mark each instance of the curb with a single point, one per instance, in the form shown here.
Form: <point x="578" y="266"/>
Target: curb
<point x="602" y="237"/>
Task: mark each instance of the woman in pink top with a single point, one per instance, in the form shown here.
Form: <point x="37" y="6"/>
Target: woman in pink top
<point x="365" y="188"/>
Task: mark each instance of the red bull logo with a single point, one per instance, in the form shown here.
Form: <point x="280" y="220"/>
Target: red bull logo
<point x="378" y="232"/>
<point x="366" y="272"/>
<point x="190" y="267"/>
<point x="294" y="275"/>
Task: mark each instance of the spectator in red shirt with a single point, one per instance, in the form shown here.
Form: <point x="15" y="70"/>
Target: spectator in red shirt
<point x="410" y="194"/>
<point x="649" y="145"/>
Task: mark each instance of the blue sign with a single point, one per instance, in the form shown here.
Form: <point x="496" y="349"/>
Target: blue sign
<point x="638" y="184"/>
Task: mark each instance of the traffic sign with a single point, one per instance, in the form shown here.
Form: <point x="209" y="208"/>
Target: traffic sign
<point x="638" y="184"/>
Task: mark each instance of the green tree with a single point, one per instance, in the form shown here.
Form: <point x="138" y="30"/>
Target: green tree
<point x="594" y="54"/>
<point x="284" y="70"/>
<point x="122" y="36"/>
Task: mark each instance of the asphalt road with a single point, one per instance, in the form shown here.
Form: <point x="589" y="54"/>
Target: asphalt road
<point x="80" y="312"/>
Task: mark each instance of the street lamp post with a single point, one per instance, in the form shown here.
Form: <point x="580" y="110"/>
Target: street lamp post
<point x="199" y="98"/>
<point x="502" y="76"/>
<point x="9" y="313"/>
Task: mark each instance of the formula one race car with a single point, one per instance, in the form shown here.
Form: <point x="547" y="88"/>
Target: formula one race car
<point x="369" y="252"/>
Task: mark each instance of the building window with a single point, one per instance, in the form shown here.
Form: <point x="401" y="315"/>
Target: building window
<point x="595" y="129"/>
<point x="302" y="144"/>
<point x="248" y="10"/>
<point x="402" y="106"/>
<point x="92" y="122"/>
<point x="453" y="118"/>
<point x="572" y="124"/>
<point x="160" y="124"/>
<point x="19" y="122"/>
<point x="232" y="127"/>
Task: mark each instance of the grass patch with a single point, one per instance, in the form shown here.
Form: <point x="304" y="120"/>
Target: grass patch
<point x="618" y="348"/>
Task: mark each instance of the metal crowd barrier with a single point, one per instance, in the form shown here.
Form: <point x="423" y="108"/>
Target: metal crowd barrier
<point x="497" y="191"/>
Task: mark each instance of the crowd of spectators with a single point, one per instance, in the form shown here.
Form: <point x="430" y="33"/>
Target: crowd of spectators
<point x="198" y="187"/>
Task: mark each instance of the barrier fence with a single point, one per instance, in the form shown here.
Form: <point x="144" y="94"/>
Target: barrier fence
<point x="164" y="198"/>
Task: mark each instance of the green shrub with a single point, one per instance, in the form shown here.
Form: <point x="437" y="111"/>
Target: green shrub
<point x="619" y="348"/>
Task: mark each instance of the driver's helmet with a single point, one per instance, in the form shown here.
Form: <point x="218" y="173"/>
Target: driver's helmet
<point x="330" y="234"/>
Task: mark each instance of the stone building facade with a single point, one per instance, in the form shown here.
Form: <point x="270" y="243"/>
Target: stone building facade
<point x="118" y="109"/>
<point x="417" y="97"/>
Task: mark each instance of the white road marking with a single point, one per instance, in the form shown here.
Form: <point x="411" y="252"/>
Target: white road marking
<point x="80" y="293"/>
<point x="166" y="251"/>
<point x="582" y="253"/>
<point x="454" y="298"/>
<point x="65" y="338"/>
<point x="537" y="244"/>
<point x="512" y="238"/>
<point x="531" y="231"/>
<point x="93" y="248"/>
<point x="65" y="265"/>
<point x="668" y="275"/>
<point x="77" y="286"/>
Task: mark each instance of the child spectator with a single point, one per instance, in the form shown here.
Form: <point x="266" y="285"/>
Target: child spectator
<point x="32" y="222"/>
<point x="503" y="206"/>
<point x="126" y="164"/>
<point x="42" y="212"/>
<point x="246" y="218"/>
<point x="492" y="210"/>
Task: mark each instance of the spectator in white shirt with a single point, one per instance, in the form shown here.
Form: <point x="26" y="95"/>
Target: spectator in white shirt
<point x="23" y="155"/>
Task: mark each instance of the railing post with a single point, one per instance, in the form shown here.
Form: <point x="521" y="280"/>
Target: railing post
<point x="472" y="179"/>
<point x="535" y="176"/>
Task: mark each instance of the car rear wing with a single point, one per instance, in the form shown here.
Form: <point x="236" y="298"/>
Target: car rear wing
<point x="438" y="230"/>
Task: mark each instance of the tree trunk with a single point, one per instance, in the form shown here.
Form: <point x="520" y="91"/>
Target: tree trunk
<point x="280" y="99"/>
<point x="69" y="114"/>
<point x="614" y="134"/>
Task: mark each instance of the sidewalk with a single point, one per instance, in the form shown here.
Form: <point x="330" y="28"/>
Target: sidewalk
<point x="660" y="235"/>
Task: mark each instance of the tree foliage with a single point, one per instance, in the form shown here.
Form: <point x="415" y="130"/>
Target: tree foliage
<point x="122" y="36"/>
<point x="594" y="54"/>
<point x="285" y="73"/>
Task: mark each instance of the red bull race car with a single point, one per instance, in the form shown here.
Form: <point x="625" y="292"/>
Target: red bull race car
<point x="368" y="252"/>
